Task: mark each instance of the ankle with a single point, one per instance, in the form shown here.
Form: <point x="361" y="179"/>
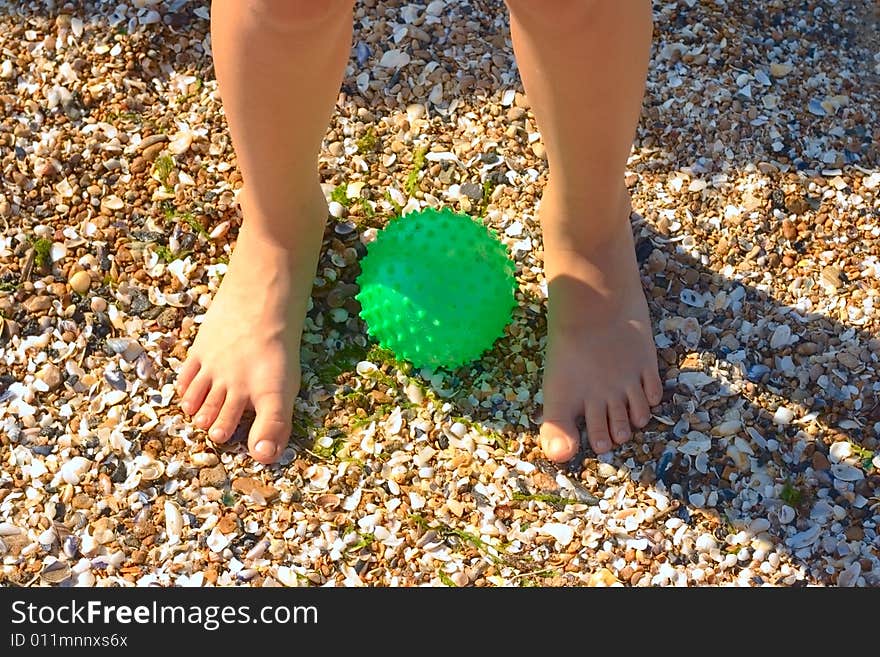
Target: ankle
<point x="579" y="218"/>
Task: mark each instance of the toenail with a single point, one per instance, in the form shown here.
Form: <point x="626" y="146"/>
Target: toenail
<point x="217" y="433"/>
<point x="201" y="419"/>
<point x="187" y="408"/>
<point x="603" y="445"/>
<point x="265" y="448"/>
<point x="622" y="433"/>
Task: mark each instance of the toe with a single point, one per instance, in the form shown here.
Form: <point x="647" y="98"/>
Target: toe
<point x="211" y="407"/>
<point x="653" y="386"/>
<point x="195" y="393"/>
<point x="639" y="412"/>
<point x="618" y="421"/>
<point x="560" y="440"/>
<point x="186" y="375"/>
<point x="271" y="429"/>
<point x="228" y="418"/>
<point x="597" y="428"/>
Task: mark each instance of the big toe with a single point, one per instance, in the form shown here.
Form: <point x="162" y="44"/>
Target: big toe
<point x="560" y="440"/>
<point x="271" y="429"/>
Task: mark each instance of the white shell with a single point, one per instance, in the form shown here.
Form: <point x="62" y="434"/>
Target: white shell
<point x="173" y="522"/>
<point x="846" y="472"/>
<point x="74" y="469"/>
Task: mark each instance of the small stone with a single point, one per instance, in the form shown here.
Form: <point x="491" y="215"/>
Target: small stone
<point x="152" y="152"/>
<point x="473" y="191"/>
<point x="820" y="461"/>
<point x="539" y="150"/>
<point x="138" y="165"/>
<point x="854" y="533"/>
<point x="168" y="318"/>
<point x="780" y="70"/>
<point x="37" y="304"/>
<point x="830" y="278"/>
<point x="212" y="477"/>
<point x="80" y="282"/>
<point x="789" y="230"/>
<point x="50" y="374"/>
<point x="807" y="349"/>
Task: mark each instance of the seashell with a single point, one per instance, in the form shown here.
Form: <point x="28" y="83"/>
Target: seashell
<point x="173" y="522"/>
<point x="804" y="538"/>
<point x="219" y="230"/>
<point x="287" y="576"/>
<point x="57" y="252"/>
<point x="116" y="379"/>
<point x="394" y="59"/>
<point x="695" y="380"/>
<point x="846" y="472"/>
<point x="849" y="577"/>
<point x="696" y="442"/>
<point x="416" y="501"/>
<point x="365" y="368"/>
<point x="70" y="546"/>
<point x="762" y="78"/>
<point x="691" y="298"/>
<point x="344" y="228"/>
<point x="362" y="52"/>
<point x="73" y="470"/>
<point x="786" y="514"/>
<point x="149" y="468"/>
<point x="47" y="539"/>
<point x="781" y="337"/>
<point x="759" y="525"/>
<point x="755" y="372"/>
<point x="55" y="572"/>
<point x="394" y="423"/>
<point x="179" y="299"/>
<point x="336" y="209"/>
<point x="181" y="142"/>
<point x="112" y="202"/>
<point x="783" y="415"/>
<point x="328" y="501"/>
<point x="217" y="541"/>
<point x="727" y="428"/>
<point x="840" y="450"/>
<point x="257" y="551"/>
<point x="352" y="501"/>
<point x="113" y="397"/>
<point x="563" y="533"/>
<point x="145" y="368"/>
<point x="8" y="529"/>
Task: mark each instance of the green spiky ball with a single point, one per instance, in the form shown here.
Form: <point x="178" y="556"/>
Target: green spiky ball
<point x="436" y="288"/>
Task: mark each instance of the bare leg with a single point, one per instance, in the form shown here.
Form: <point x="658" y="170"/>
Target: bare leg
<point x="279" y="64"/>
<point x="583" y="63"/>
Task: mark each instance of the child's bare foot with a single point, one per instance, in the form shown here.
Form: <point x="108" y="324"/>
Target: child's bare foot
<point x="601" y="361"/>
<point x="246" y="353"/>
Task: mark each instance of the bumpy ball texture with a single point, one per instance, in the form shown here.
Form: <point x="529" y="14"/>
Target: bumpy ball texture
<point x="436" y="288"/>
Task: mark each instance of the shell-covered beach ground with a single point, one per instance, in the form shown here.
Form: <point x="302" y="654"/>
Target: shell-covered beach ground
<point x="755" y="178"/>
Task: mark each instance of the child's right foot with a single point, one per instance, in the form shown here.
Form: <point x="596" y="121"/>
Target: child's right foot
<point x="246" y="353"/>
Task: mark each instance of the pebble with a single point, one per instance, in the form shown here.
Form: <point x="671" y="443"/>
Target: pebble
<point x="80" y="282"/>
<point x="213" y="476"/>
<point x="50" y="374"/>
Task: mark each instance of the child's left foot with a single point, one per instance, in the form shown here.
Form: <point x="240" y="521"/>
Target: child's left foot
<point x="601" y="361"/>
